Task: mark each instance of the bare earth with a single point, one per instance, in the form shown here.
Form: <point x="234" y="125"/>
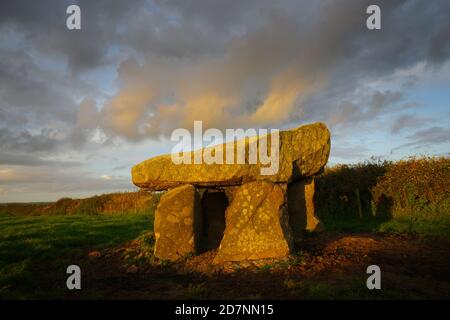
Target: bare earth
<point x="328" y="266"/>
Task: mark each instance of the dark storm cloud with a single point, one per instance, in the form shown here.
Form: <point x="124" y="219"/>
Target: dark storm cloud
<point x="43" y="23"/>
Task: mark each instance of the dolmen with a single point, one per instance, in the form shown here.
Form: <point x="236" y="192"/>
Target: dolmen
<point x="237" y="208"/>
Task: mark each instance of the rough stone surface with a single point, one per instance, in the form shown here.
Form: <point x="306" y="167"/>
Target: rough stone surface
<point x="177" y="224"/>
<point x="303" y="152"/>
<point x="257" y="224"/>
<point x="301" y="208"/>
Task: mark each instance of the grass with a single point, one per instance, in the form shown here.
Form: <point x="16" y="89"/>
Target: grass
<point x="351" y="224"/>
<point x="26" y="241"/>
<point x="195" y="291"/>
<point x="437" y="227"/>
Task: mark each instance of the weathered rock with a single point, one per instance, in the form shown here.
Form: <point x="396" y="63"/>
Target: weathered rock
<point x="177" y="224"/>
<point x="301" y="207"/>
<point x="257" y="224"/>
<point x="302" y="153"/>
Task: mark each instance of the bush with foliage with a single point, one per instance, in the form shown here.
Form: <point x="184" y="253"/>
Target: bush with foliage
<point x="417" y="186"/>
<point x="344" y="190"/>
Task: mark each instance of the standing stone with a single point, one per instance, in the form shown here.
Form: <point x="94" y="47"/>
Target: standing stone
<point x="257" y="224"/>
<point x="178" y="223"/>
<point x="301" y="207"/>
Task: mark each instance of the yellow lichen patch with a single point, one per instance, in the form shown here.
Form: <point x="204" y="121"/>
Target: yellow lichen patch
<point x="172" y="218"/>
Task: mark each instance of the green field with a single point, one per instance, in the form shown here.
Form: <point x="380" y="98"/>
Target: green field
<point x="27" y="243"/>
<point x="36" y="250"/>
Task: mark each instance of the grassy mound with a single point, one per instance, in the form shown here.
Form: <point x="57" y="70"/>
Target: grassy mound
<point x="114" y="203"/>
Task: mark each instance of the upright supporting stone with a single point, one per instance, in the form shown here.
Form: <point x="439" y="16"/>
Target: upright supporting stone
<point x="301" y="207"/>
<point x="178" y="223"/>
<point x="257" y="224"/>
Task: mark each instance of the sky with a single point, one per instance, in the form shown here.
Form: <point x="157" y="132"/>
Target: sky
<point x="78" y="108"/>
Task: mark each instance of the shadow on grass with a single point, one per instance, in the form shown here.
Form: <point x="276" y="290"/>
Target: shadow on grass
<point x="27" y="241"/>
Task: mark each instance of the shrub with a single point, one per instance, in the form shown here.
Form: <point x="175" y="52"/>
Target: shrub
<point x="416" y="187"/>
<point x="344" y="190"/>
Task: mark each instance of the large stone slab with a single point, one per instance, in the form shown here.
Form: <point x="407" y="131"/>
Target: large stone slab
<point x="301" y="207"/>
<point x="257" y="224"/>
<point x="177" y="224"/>
<point x="303" y="152"/>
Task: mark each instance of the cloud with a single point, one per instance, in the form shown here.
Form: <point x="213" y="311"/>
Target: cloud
<point x="431" y="135"/>
<point x="364" y="107"/>
<point x="25" y="88"/>
<point x="87" y="115"/>
<point x="57" y="180"/>
<point x="405" y="121"/>
<point x="24" y="159"/>
<point x="43" y="25"/>
<point x="257" y="80"/>
<point x="252" y="63"/>
<point x="139" y="69"/>
<point x="268" y="74"/>
<point x="45" y="141"/>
